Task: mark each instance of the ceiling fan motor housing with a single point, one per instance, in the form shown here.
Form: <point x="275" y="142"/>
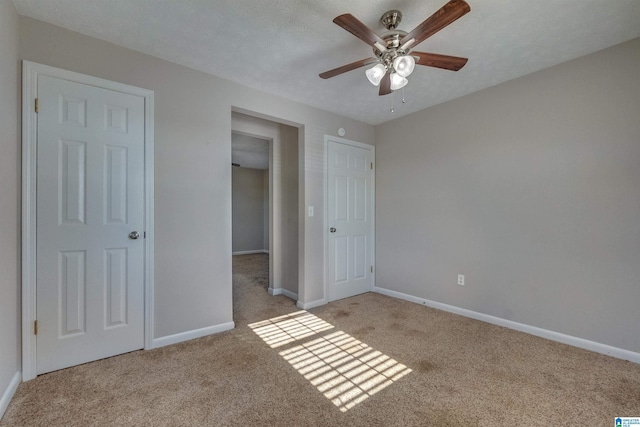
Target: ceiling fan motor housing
<point x="391" y="19"/>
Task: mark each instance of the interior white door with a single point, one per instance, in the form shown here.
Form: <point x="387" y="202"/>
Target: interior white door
<point x="350" y="220"/>
<point x="90" y="191"/>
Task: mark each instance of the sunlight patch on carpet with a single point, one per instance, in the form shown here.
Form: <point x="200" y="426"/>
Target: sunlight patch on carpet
<point x="291" y="327"/>
<point x="345" y="370"/>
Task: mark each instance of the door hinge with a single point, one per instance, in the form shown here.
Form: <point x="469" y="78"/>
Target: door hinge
<point x="372" y="268"/>
<point x="36" y="105"/>
<point x="35" y="327"/>
<point x="144" y="234"/>
<point x="371" y="165"/>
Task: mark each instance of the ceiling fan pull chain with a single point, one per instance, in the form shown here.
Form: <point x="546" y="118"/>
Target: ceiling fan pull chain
<point x="392" y="109"/>
<point x="403" y="100"/>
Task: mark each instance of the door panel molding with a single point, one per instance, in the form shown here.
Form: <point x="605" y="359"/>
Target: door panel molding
<point x="326" y="225"/>
<point x="30" y="73"/>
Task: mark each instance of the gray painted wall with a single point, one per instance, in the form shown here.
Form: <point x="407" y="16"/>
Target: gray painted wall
<point x="193" y="169"/>
<point x="248" y="209"/>
<point x="532" y="190"/>
<point x="9" y="196"/>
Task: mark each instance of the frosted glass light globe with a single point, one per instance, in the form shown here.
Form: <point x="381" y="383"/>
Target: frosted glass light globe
<point x="375" y="74"/>
<point x="397" y="81"/>
<point x="404" y="65"/>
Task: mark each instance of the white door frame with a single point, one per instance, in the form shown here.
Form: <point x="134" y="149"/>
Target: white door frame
<point x="30" y="73"/>
<point x="325" y="224"/>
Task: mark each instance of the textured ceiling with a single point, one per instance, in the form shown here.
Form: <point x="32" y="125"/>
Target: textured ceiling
<point x="280" y="46"/>
<point x="249" y="152"/>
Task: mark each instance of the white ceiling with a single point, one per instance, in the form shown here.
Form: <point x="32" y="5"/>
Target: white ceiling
<point x="280" y="46"/>
<point x="249" y="152"/>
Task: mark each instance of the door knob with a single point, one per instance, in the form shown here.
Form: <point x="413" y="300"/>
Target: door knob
<point x="134" y="235"/>
<point x="332" y="229"/>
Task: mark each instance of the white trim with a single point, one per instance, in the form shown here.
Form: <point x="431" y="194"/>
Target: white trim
<point x="30" y="73"/>
<point x="373" y="216"/>
<point x="257" y="251"/>
<point x="190" y="335"/>
<point x="533" y="330"/>
<point x="325" y="227"/>
<point x="149" y="242"/>
<point x="9" y="392"/>
<point x="325" y="190"/>
<point x="287" y="293"/>
<point x="29" y="128"/>
<point x="349" y="142"/>
<point x="275" y="261"/>
<point x="302" y="212"/>
<point x="282" y="291"/>
<point x="310" y="305"/>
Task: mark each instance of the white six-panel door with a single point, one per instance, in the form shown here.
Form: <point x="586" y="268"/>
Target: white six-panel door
<point x="350" y="220"/>
<point x="90" y="195"/>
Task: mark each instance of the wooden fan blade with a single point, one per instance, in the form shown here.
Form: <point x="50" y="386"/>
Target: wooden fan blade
<point x="453" y="63"/>
<point x="348" y="67"/>
<point x="443" y="17"/>
<point x="358" y="29"/>
<point x="385" y="85"/>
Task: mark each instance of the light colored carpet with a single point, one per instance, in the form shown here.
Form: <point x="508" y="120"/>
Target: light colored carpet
<point x="370" y="360"/>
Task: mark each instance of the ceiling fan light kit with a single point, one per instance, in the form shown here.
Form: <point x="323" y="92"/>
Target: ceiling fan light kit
<point x="394" y="59"/>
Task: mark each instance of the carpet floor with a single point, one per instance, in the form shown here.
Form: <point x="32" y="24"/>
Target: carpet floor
<point x="369" y="360"/>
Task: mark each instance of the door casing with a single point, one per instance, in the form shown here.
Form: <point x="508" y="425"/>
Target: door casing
<point x="372" y="148"/>
<point x="30" y="73"/>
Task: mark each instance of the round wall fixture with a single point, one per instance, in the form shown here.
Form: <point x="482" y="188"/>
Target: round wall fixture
<point x="342" y="132"/>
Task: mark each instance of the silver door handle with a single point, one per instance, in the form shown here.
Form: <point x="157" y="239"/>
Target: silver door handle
<point x="134" y="235"/>
<point x="332" y="230"/>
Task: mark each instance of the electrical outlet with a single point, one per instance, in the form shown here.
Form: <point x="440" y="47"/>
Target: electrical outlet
<point x="461" y="279"/>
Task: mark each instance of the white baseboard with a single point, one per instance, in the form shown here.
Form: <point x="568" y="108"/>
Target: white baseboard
<point x="312" y="304"/>
<point x="189" y="335"/>
<point x="287" y="293"/>
<point x="257" y="251"/>
<point x="9" y="392"/>
<point x="282" y="291"/>
<point x="616" y="352"/>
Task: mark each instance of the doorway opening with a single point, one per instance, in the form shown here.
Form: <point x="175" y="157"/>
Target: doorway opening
<point x="265" y="213"/>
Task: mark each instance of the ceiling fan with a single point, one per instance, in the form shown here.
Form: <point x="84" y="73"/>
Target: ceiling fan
<point x="394" y="58"/>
